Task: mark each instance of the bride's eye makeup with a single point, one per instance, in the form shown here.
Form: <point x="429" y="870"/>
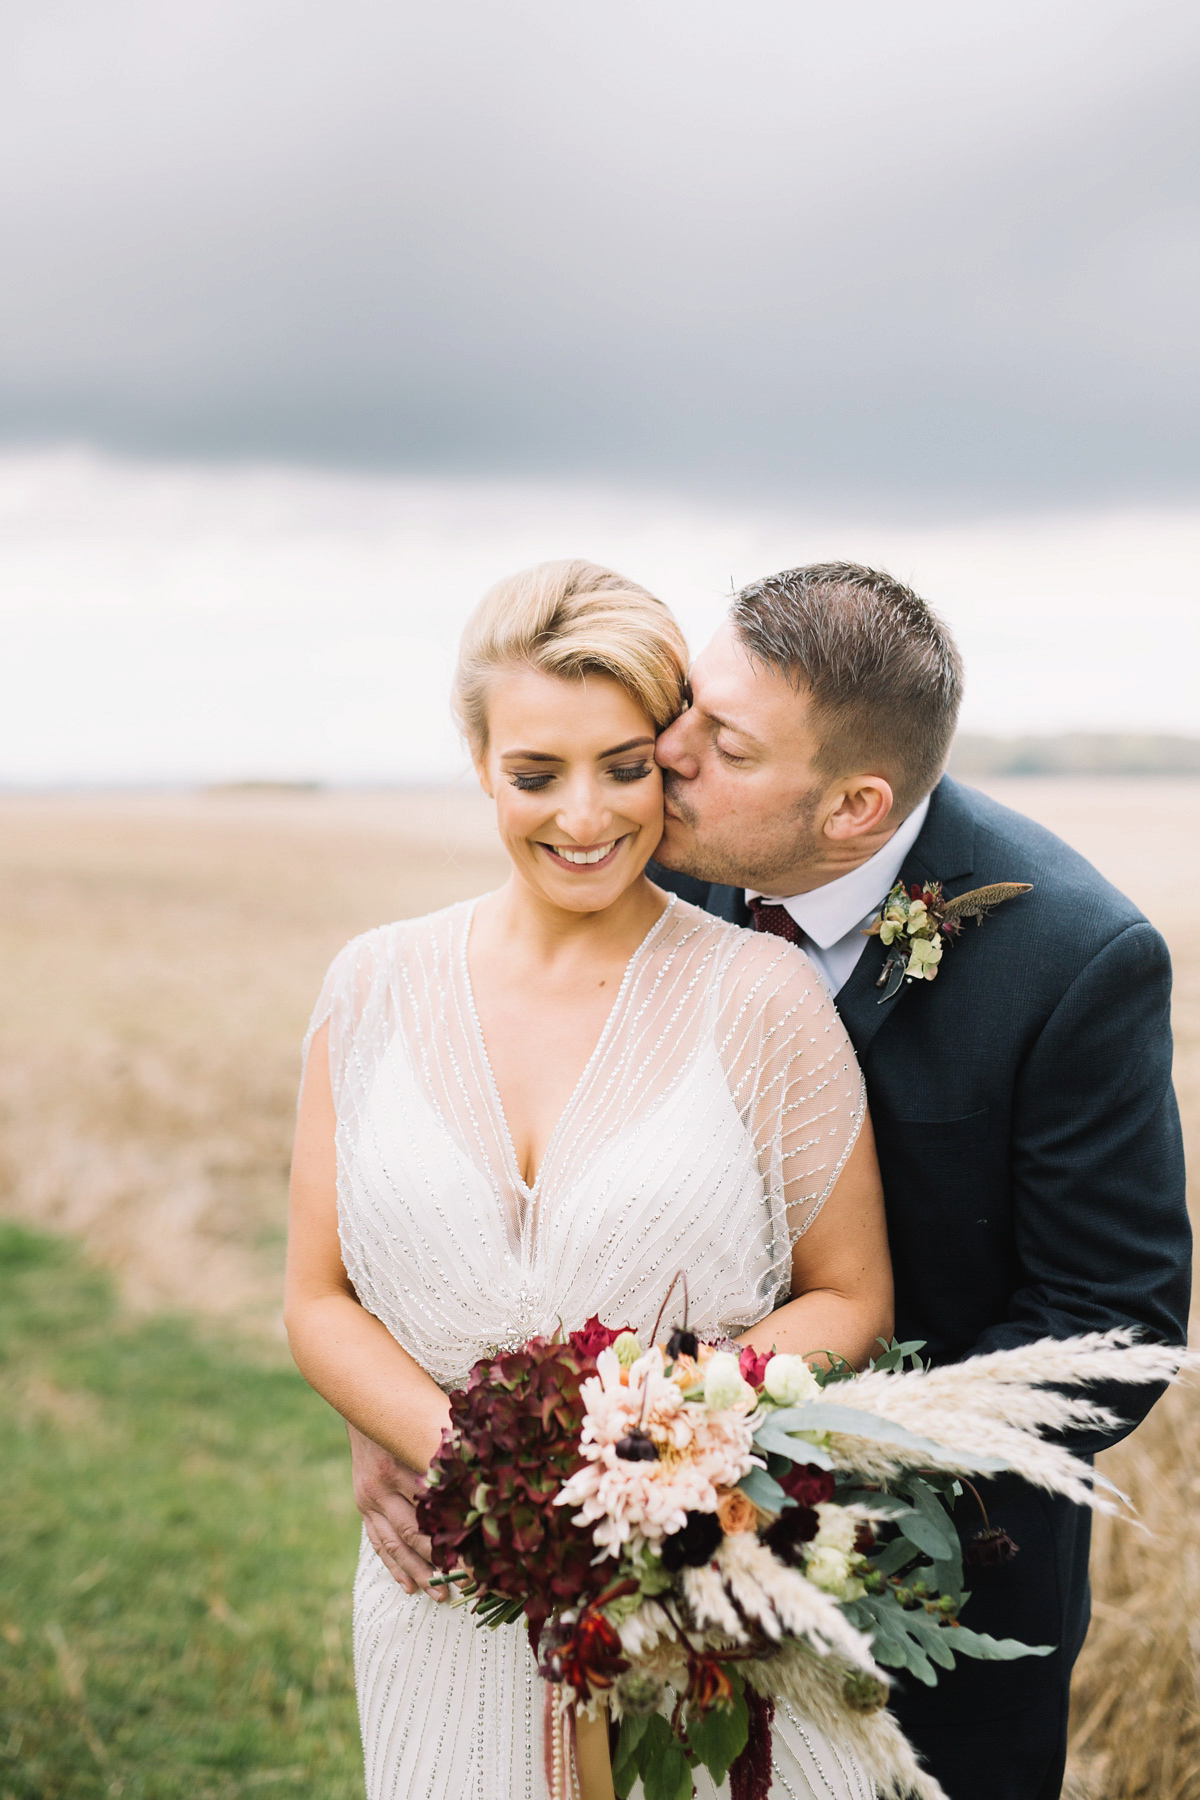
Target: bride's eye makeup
<point x="532" y="782"/>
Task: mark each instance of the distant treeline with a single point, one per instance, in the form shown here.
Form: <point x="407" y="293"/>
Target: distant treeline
<point x="1075" y="753"/>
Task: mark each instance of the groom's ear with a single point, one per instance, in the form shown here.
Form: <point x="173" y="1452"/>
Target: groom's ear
<point x="859" y="806"/>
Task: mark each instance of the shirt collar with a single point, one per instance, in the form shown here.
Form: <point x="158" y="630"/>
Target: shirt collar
<point x="827" y="913"/>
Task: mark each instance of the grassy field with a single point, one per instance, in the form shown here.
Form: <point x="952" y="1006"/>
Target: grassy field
<point x="178" y="1548"/>
<point x="176" y="1527"/>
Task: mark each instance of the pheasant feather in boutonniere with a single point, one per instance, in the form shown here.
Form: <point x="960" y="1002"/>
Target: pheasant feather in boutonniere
<point x="917" y="924"/>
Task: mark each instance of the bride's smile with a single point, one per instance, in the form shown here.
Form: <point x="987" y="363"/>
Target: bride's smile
<point x="570" y="765"/>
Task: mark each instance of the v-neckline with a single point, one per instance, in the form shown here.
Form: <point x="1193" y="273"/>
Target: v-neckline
<point x="527" y="1191"/>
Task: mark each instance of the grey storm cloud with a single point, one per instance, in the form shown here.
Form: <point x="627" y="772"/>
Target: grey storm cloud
<point x="928" y="250"/>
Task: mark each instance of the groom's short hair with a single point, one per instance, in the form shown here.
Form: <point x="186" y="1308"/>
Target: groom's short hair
<point x="882" y="672"/>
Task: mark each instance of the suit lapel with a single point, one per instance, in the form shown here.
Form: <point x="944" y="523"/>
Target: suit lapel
<point x="729" y="903"/>
<point x="945" y="852"/>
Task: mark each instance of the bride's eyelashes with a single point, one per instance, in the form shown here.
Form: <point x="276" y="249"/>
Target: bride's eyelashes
<point x="533" y="784"/>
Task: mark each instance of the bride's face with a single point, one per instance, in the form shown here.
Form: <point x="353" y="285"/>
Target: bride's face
<point x="570" y="765"/>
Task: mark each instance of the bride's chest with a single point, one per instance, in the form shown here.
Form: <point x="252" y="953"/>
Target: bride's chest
<point x="537" y="1047"/>
<point x="436" y="1162"/>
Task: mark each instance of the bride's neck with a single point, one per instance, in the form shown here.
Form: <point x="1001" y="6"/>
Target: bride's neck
<point x="532" y="928"/>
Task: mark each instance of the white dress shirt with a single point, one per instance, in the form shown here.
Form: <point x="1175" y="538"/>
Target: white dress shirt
<point x="832" y="918"/>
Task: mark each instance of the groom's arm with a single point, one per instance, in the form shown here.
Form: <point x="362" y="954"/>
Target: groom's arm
<point x="1099" y="1209"/>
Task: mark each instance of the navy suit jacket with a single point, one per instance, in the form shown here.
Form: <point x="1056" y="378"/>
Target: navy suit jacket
<point x="1028" y="1135"/>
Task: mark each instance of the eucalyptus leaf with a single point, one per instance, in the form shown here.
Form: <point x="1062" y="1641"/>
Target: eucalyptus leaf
<point x="897" y="1650"/>
<point x="989" y="1649"/>
<point x="948" y="1573"/>
<point x="892" y="1558"/>
<point x="889" y="1506"/>
<point x="764" y="1490"/>
<point x="827" y="1415"/>
<point x="796" y="1449"/>
<point x="931" y="1634"/>
<point x="928" y="1537"/>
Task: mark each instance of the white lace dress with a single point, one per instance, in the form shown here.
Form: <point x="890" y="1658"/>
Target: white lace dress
<point x="704" y="1134"/>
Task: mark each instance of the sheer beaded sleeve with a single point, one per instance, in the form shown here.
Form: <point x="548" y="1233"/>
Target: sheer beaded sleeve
<point x="792" y="1072"/>
<point x="351" y="985"/>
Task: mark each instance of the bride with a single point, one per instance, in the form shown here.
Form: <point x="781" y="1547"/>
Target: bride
<point x="539" y="1105"/>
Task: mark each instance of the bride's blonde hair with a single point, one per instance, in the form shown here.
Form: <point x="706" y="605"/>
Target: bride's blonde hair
<point x="571" y="619"/>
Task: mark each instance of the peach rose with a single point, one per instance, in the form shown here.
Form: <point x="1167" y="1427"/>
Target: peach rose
<point x="735" y="1511"/>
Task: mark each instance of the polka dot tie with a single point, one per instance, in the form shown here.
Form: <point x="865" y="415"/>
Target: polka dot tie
<point x="775" y="919"/>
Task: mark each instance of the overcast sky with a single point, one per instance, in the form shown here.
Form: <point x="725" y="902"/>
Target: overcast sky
<point x="167" y="622"/>
<point x="930" y="257"/>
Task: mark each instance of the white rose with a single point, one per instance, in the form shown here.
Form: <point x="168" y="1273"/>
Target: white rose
<point x="837" y="1530"/>
<point x="723" y="1384"/>
<point x="789" y="1381"/>
<point x="829" y="1569"/>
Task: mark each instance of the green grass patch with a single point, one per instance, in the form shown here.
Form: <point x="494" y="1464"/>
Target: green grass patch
<point x="177" y="1546"/>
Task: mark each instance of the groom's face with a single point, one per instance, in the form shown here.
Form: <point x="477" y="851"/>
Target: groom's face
<point x="744" y="802"/>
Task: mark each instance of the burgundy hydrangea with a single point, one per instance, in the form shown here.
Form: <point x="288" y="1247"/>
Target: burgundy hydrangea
<point x="513" y="1439"/>
<point x="807" y="1484"/>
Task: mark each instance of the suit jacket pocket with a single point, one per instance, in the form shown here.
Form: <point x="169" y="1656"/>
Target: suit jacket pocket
<point x="933" y="1134"/>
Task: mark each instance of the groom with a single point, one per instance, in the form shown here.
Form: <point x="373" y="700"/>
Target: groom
<point x="1022" y="1103"/>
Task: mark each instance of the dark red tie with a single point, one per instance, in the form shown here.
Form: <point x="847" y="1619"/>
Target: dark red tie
<point x="775" y="919"/>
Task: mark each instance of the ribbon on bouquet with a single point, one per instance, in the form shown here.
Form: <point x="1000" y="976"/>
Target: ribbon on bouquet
<point x="578" y="1766"/>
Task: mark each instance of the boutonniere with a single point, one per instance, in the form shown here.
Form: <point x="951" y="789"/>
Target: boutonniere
<point x="918" y="923"/>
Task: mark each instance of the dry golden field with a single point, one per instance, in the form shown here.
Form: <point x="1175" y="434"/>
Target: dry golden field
<point x="160" y="955"/>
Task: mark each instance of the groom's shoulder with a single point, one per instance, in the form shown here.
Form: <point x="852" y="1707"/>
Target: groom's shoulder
<point x="1009" y="846"/>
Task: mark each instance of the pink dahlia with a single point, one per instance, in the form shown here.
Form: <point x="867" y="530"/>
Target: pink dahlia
<point x="628" y="1502"/>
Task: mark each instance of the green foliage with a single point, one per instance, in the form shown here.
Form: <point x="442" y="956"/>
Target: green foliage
<point x="764" y="1490"/>
<point x="718" y="1737"/>
<point x="177" y="1544"/>
<point x="893" y="1356"/>
<point x="896" y="1354"/>
<point x="640" y="1741"/>
<point x="911" y="1618"/>
<point x="647" y="1747"/>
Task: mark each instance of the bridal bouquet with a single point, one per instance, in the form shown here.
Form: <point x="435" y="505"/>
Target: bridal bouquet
<point x="691" y="1533"/>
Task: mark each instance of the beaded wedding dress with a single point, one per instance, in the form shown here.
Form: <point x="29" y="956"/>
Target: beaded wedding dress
<point x="707" y="1129"/>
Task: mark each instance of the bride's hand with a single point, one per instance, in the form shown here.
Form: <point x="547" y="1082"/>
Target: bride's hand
<point x="385" y="1492"/>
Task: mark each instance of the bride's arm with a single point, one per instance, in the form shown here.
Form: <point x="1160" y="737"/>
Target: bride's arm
<point x="342" y="1351"/>
<point x="841" y="1271"/>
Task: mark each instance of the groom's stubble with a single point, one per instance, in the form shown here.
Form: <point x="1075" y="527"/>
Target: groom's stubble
<point x="775" y="854"/>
